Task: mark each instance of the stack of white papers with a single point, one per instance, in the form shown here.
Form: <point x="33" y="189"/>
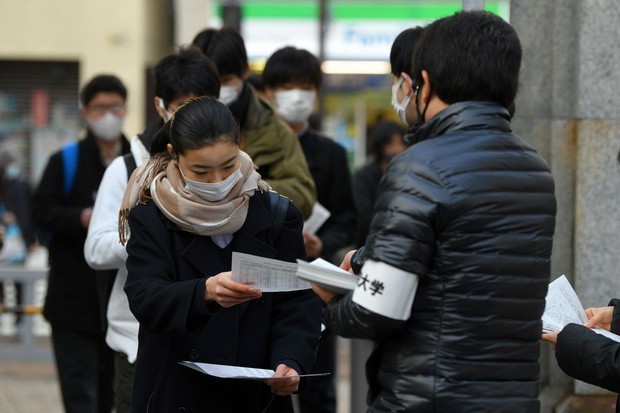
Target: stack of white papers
<point x="327" y="275"/>
<point x="563" y="307"/>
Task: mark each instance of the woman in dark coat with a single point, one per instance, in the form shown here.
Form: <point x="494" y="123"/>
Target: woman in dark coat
<point x="191" y="206"/>
<point x="587" y="356"/>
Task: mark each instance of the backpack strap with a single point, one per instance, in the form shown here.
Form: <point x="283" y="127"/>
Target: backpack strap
<point x="279" y="206"/>
<point x="70" y="154"/>
<point x="130" y="163"/>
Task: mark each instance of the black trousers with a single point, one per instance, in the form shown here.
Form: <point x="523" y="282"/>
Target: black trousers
<point x="85" y="367"/>
<point x="123" y="383"/>
<point x="319" y="395"/>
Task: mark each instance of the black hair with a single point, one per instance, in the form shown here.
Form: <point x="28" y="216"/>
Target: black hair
<point x="382" y="135"/>
<point x="198" y="122"/>
<point x="290" y="64"/>
<point x="226" y="49"/>
<point x="102" y="83"/>
<point x="471" y="55"/>
<point x="203" y="39"/>
<point x="402" y="50"/>
<point x="188" y="71"/>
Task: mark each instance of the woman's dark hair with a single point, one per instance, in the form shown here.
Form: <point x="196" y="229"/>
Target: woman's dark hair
<point x="290" y="64"/>
<point x="471" y="55"/>
<point x="198" y="122"/>
<point x="382" y="135"/>
<point x="402" y="50"/>
<point x="102" y="83"/>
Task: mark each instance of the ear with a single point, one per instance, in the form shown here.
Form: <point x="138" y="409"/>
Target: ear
<point x="270" y="94"/>
<point x="426" y="88"/>
<point x="246" y="73"/>
<point x="407" y="85"/>
<point x="171" y="151"/>
<point x="158" y="108"/>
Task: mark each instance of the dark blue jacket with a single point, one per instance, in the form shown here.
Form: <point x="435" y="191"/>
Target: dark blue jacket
<point x="167" y="270"/>
<point x="470" y="209"/>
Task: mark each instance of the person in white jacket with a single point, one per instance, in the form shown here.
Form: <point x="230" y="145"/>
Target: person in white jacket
<point x="178" y="77"/>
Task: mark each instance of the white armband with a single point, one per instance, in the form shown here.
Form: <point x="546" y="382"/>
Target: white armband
<point x="386" y="290"/>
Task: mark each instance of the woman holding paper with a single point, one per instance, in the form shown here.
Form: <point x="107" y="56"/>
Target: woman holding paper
<point x="587" y="356"/>
<point x="189" y="208"/>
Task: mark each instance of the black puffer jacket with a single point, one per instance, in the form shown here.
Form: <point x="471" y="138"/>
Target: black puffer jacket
<point x="470" y="209"/>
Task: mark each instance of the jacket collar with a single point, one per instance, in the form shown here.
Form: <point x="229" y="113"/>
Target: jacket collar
<point x="462" y="116"/>
<point x="245" y="240"/>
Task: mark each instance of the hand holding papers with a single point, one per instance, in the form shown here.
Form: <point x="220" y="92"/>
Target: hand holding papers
<point x="326" y="275"/>
<point x="563" y="307"/>
<point x="234" y="372"/>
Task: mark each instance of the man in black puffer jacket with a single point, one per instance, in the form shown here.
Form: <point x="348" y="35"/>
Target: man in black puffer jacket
<point x="458" y="254"/>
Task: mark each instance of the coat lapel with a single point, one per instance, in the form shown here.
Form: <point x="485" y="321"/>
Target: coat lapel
<point x="203" y="254"/>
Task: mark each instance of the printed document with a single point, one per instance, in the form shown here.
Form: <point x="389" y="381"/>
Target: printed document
<point x="319" y="215"/>
<point x="563" y="307"/>
<point x="266" y="274"/>
<point x="235" y="372"/>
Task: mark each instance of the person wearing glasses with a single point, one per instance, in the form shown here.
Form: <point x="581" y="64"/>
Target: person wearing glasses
<point x="62" y="206"/>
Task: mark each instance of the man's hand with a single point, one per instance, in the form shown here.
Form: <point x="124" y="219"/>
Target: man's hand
<point x="346" y="261"/>
<point x="551" y="338"/>
<point x="313" y="244"/>
<point x="284" y="387"/>
<point x="226" y="292"/>
<point x="599" y="317"/>
<point x="324" y="294"/>
<point x="85" y="217"/>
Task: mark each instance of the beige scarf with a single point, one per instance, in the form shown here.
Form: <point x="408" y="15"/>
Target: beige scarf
<point x="160" y="180"/>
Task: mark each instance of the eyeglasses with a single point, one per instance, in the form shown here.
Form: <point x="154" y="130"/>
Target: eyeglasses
<point x="103" y="109"/>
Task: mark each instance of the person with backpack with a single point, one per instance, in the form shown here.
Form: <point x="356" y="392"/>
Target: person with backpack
<point x="61" y="210"/>
<point x="179" y="76"/>
<point x="184" y="214"/>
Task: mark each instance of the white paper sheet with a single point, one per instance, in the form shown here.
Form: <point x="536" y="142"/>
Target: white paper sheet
<point x="236" y="372"/>
<point x="315" y="221"/>
<point x="563" y="307"/>
<point x="266" y="274"/>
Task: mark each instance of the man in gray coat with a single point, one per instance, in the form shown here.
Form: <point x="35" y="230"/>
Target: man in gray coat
<point x="458" y="254"/>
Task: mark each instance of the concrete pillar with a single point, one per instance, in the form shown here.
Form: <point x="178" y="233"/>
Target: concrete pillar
<point x="568" y="107"/>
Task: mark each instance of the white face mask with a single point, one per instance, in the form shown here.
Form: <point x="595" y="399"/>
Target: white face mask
<point x="108" y="127"/>
<point x="295" y="105"/>
<point x="400" y="107"/>
<point x="213" y="192"/>
<point x="228" y="94"/>
<point x="163" y="107"/>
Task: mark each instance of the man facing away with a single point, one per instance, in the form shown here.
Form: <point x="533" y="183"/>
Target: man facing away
<point x="179" y="77"/>
<point x="458" y="255"/>
<point x="63" y="210"/>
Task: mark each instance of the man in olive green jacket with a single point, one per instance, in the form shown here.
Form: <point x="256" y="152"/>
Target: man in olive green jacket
<point x="271" y="144"/>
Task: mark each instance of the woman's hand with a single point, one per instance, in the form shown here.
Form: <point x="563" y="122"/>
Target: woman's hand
<point x="551" y="338"/>
<point x="222" y="289"/>
<point x="599" y="317"/>
<point x="284" y="387"/>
